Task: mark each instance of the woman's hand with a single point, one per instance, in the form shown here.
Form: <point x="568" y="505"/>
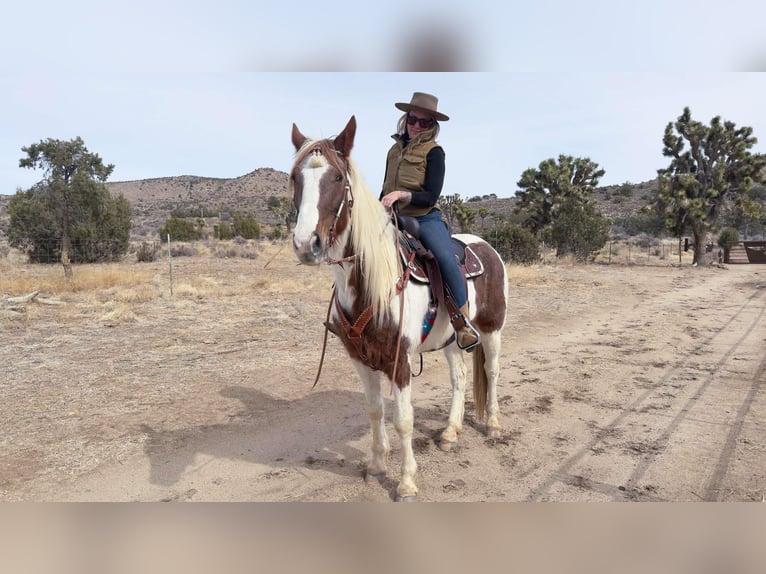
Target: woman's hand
<point x="390" y="198"/>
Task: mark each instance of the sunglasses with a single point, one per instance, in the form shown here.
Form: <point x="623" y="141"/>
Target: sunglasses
<point x="424" y="123"/>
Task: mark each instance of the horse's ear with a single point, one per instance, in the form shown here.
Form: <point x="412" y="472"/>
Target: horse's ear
<point x="298" y="138"/>
<point x="345" y="141"/>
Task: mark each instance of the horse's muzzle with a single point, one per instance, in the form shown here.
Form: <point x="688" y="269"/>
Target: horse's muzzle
<point x="309" y="252"/>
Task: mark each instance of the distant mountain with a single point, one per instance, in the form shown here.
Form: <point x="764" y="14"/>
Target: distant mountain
<point x="155" y="200"/>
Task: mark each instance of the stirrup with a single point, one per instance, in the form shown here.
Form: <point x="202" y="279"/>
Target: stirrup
<point x="472" y="346"/>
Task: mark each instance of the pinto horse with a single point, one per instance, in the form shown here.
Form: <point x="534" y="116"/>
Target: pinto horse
<point x="379" y="316"/>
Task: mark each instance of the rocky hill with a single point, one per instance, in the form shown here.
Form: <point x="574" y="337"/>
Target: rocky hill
<point x="155" y="200"/>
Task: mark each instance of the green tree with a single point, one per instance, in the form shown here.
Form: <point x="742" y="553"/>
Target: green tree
<point x="71" y="203"/>
<point x="543" y="191"/>
<point x="579" y="230"/>
<point x="715" y="169"/>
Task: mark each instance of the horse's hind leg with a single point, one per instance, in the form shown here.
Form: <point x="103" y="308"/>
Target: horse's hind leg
<point x="491" y="342"/>
<point x="375" y="409"/>
<point x="448" y="438"/>
<point x="404" y="423"/>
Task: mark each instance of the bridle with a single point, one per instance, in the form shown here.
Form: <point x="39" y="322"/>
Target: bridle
<point x="348" y="199"/>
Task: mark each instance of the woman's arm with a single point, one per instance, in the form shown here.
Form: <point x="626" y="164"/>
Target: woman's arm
<point x="432" y="187"/>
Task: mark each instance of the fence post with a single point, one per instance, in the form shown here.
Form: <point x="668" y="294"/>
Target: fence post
<point x="170" y="266"/>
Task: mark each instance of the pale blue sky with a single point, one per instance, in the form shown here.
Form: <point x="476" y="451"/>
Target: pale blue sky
<point x="195" y="88"/>
<point x="228" y="124"/>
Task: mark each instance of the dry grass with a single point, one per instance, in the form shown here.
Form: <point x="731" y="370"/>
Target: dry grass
<point x="525" y="275"/>
<point x="49" y="279"/>
<point x="124" y="292"/>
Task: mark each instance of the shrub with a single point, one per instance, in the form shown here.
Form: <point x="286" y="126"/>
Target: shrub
<point x="180" y="230"/>
<point x="223" y="231"/>
<point x="246" y="227"/>
<point x="514" y="243"/>
<point x="643" y="222"/>
<point x="579" y="230"/>
<point x="147" y="252"/>
<point x="182" y="250"/>
<point x="728" y="237"/>
<point x="277" y="233"/>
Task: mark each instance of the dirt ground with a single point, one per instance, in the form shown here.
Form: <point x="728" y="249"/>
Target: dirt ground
<point x="618" y="383"/>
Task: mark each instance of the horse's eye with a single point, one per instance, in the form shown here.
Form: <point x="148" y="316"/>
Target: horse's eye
<point x="338" y="178"/>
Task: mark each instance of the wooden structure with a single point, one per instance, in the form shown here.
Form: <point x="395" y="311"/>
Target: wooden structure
<point x="747" y="252"/>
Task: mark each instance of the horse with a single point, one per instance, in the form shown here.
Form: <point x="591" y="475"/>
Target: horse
<point x="380" y="318"/>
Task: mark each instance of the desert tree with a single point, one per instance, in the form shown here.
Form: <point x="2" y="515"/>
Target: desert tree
<point x="748" y="214"/>
<point x="483" y="214"/>
<point x="70" y="202"/>
<point x="710" y="167"/>
<point x="284" y="209"/>
<point x="465" y="217"/>
<point x="544" y="191"/>
<point x="448" y="203"/>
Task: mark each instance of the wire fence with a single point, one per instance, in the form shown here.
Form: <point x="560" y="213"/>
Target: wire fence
<point x="48" y="251"/>
<point x="636" y="250"/>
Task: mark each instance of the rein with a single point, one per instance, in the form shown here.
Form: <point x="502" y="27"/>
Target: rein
<point x="354" y="332"/>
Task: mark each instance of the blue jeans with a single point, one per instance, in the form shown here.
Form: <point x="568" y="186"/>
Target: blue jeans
<point x="435" y="236"/>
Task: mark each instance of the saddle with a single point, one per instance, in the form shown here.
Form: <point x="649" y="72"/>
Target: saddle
<point x="421" y="265"/>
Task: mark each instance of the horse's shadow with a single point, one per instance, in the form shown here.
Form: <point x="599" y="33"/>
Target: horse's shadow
<point x="315" y="431"/>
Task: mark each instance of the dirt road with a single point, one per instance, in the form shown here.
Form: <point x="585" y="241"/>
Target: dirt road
<point x="618" y="384"/>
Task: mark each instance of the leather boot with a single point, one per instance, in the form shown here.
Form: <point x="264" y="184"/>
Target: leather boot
<point x="467" y="336"/>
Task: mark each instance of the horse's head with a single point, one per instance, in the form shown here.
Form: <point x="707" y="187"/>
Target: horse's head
<point x="321" y="192"/>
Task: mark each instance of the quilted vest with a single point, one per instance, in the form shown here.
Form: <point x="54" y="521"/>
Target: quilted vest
<point x="407" y="171"/>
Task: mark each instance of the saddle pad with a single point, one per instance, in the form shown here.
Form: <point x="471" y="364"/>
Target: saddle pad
<point x="469" y="262"/>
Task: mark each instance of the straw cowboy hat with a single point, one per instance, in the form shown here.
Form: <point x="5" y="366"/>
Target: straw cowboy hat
<point x="425" y="103"/>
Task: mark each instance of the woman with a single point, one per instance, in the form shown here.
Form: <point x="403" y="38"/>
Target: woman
<point x="413" y="181"/>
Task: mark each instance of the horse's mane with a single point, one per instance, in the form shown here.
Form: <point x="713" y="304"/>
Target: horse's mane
<point x="372" y="234"/>
<point x="372" y="237"/>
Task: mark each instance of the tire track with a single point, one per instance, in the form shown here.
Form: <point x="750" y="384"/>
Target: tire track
<point x="716" y="480"/>
<point x="563" y="474"/>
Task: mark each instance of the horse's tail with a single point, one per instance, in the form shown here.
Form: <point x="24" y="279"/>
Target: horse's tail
<point x="480" y="383"/>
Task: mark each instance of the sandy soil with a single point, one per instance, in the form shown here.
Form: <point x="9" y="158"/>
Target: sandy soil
<point x="641" y="383"/>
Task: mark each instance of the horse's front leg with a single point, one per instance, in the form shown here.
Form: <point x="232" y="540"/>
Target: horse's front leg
<point x="404" y="423"/>
<point x="376" y="469"/>
<point x="457" y="371"/>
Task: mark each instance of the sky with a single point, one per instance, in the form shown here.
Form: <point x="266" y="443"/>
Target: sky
<point x="212" y="89"/>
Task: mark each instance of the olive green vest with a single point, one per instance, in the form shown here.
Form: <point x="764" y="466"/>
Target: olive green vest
<point x="407" y="171"/>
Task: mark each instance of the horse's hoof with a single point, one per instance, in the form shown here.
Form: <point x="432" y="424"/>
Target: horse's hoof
<point x="447" y="445"/>
<point x="374" y="479"/>
<point x="493" y="433"/>
<point x="406" y="498"/>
